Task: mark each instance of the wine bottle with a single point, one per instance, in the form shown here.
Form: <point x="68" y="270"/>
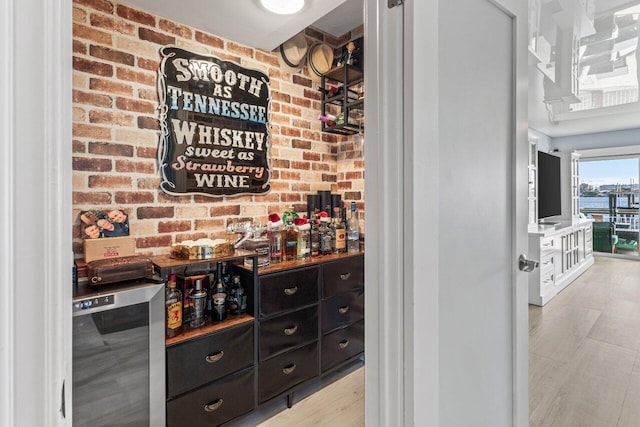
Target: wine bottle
<point x="219" y="297"/>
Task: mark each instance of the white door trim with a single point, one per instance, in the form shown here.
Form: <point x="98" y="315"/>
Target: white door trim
<point x="384" y="299"/>
<point x="35" y="118"/>
<point x="7" y="276"/>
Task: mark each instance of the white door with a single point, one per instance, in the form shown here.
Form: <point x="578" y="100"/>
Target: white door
<point x="471" y="128"/>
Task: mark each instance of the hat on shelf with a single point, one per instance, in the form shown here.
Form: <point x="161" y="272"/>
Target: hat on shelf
<point x="319" y="60"/>
<point x="291" y="54"/>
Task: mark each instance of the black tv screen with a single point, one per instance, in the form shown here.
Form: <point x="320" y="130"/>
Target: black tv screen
<point x="549" y="200"/>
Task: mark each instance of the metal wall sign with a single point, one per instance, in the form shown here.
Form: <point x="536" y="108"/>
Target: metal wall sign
<point x="214" y="121"/>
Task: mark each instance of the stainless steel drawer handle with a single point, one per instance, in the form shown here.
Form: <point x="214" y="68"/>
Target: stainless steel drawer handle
<point x="213" y="358"/>
<point x="344" y="310"/>
<point x="345" y="276"/>
<point x="213" y="406"/>
<point x="343" y="344"/>
<point x="291" y="291"/>
<point x="292" y="330"/>
<point x="289" y="369"/>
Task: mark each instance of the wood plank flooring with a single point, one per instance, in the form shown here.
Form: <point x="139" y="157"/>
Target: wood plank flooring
<point x="584" y="358"/>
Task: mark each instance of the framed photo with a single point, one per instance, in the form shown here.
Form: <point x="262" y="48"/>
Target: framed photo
<point x="96" y="224"/>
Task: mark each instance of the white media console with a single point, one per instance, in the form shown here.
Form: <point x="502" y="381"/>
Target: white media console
<point x="565" y="251"/>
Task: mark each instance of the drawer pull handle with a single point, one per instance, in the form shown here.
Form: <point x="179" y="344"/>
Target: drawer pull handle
<point x="213" y="358"/>
<point x="289" y="369"/>
<point x="290" y="291"/>
<point x="344" y="310"/>
<point x="292" y="330"/>
<point x="213" y="406"/>
<point x="343" y="344"/>
<point x="345" y="276"/>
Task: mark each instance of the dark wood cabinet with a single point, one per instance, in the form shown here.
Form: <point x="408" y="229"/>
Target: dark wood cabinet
<point x="287" y="331"/>
<point x="342" y="310"/>
<point x="199" y="361"/>
<point x="287" y="290"/>
<point x="304" y="319"/>
<point x="282" y="372"/>
<point x="215" y="403"/>
<point x="342" y="344"/>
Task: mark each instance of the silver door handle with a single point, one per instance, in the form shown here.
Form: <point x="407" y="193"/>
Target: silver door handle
<point x="526" y="265"/>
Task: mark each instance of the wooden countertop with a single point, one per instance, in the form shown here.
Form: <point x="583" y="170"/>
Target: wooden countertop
<point x="189" y="333"/>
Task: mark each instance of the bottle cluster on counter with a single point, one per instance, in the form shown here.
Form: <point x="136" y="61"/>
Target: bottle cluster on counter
<point x="291" y="237"/>
<point x="202" y="299"/>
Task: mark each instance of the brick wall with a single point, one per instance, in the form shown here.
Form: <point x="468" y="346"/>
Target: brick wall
<point x="116" y="129"/>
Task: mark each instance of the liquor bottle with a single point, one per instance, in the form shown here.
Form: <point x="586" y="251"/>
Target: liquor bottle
<point x="314" y="236"/>
<point x="353" y="231"/>
<point x="208" y="308"/>
<point x="198" y="297"/>
<point x="304" y="237"/>
<point x="325" y="234"/>
<point x="173" y="304"/>
<point x="274" y="234"/>
<point x="236" y="297"/>
<point x="290" y="241"/>
<point x="219" y="298"/>
<point x="341" y="233"/>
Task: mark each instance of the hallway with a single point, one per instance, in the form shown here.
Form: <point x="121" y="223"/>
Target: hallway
<point x="584" y="358"/>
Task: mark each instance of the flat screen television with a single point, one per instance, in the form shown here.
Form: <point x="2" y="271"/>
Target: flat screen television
<point x="549" y="197"/>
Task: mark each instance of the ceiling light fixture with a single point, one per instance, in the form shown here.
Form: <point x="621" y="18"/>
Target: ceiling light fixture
<point x="283" y="7"/>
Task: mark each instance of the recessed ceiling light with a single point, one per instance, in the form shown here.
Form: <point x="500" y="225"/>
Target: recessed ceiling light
<point x="283" y="7"/>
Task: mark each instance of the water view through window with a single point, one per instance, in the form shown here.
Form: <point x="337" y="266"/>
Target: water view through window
<point x="609" y="195"/>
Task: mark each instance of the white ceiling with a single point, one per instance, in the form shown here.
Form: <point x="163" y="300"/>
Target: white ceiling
<point x="248" y="23"/>
<point x="582" y="122"/>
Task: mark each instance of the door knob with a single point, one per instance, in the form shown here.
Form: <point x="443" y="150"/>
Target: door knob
<point x="526" y="265"/>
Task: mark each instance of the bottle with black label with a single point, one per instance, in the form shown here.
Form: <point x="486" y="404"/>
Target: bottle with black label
<point x="236" y="297"/>
<point x="290" y="241"/>
<point x="219" y="297"/>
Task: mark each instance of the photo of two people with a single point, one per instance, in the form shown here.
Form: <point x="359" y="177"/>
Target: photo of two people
<point x="97" y="223"/>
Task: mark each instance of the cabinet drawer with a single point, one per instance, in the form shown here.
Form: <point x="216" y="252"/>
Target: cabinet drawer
<point x="340" y="310"/>
<point x="282" y="372"/>
<point x="547" y="263"/>
<point x="215" y="403"/>
<point x="288" y="290"/>
<point x="547" y="244"/>
<point x="343" y="275"/>
<point x="547" y="279"/>
<point x="287" y="331"/>
<point x="200" y="361"/>
<point x="342" y="345"/>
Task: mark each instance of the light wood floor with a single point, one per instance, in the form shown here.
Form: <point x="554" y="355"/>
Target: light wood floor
<point x="584" y="359"/>
<point x="336" y="400"/>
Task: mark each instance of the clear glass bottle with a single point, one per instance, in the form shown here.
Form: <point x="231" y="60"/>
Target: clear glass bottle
<point x="353" y="231"/>
<point x="219" y="297"/>
<point x="173" y="304"/>
<point x="274" y="234"/>
<point x="290" y="241"/>
<point x="198" y="298"/>
<point x="304" y="238"/>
